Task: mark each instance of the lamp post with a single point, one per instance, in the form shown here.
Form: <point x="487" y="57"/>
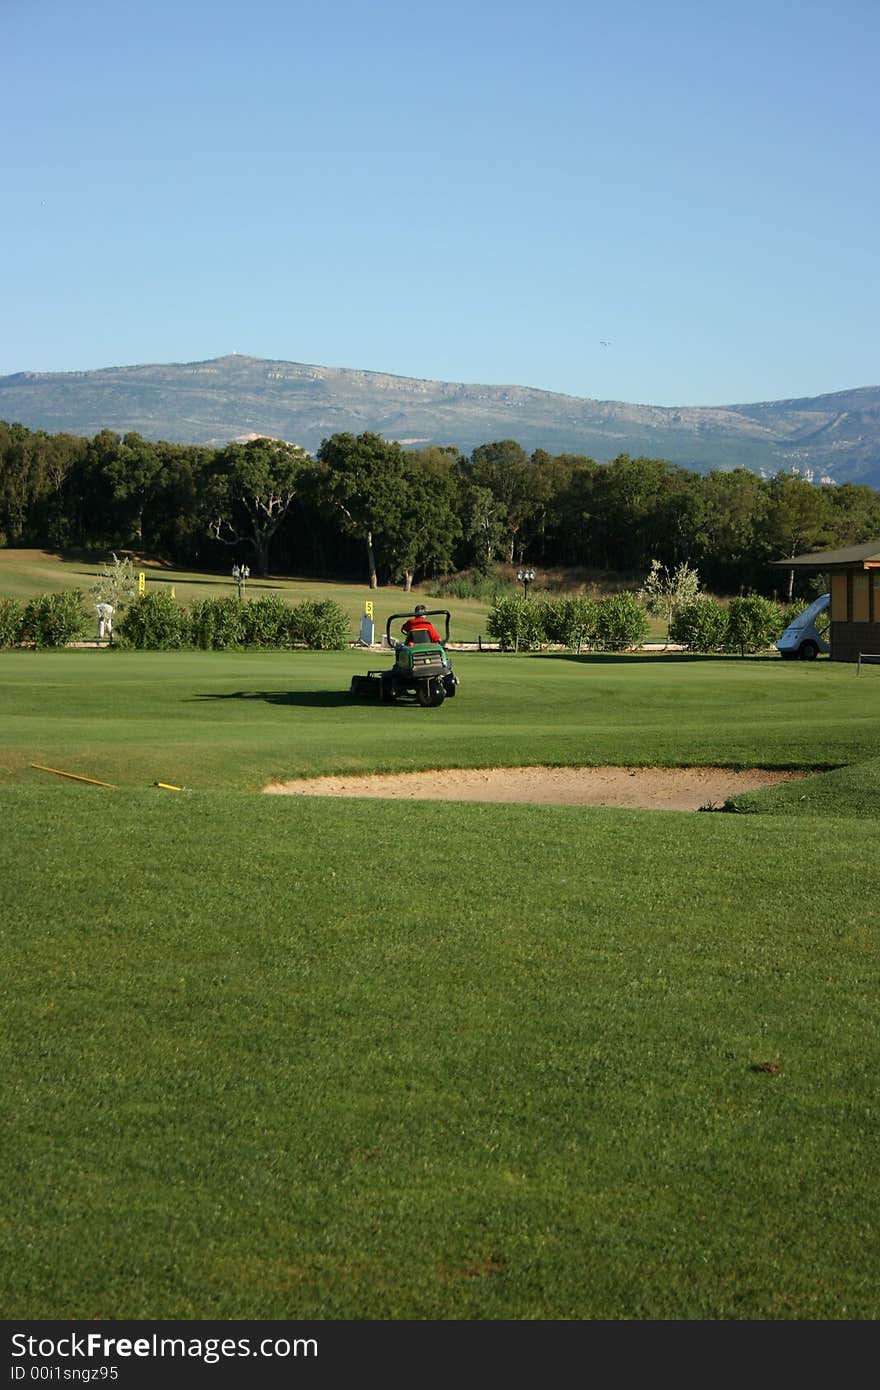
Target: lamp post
<point x="525" y="578"/>
<point x="241" y="574"/>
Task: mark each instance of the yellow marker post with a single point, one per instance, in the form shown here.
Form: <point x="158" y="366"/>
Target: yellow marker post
<point x="368" y="608"/>
<point x="168" y="786"/>
<point x="142" y="584"/>
<point x="74" y="775"/>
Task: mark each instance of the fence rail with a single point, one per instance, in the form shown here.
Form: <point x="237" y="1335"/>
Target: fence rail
<point x="866" y="656"/>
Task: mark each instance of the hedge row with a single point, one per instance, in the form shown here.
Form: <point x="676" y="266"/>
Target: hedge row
<point x="51" y="620"/>
<point x="615" y="623"/>
<point x="157" y="622"/>
<point x="748" y="624"/>
<point x="619" y="623"/>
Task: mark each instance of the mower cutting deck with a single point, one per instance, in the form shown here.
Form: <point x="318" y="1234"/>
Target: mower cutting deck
<point x="421" y="670"/>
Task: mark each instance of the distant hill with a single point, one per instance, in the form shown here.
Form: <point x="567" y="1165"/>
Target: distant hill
<point x="834" y="437"/>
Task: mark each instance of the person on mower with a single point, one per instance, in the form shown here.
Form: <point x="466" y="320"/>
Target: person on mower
<point x="419" y="628"/>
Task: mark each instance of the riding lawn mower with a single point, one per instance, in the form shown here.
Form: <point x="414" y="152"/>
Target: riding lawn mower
<point x="421" y="670"/>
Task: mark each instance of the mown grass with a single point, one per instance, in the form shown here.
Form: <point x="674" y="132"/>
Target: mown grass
<point x="256" y="1067"/>
<point x="280" y="1057"/>
<point x="238" y="720"/>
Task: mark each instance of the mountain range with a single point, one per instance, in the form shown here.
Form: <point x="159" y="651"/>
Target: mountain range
<point x="830" y="438"/>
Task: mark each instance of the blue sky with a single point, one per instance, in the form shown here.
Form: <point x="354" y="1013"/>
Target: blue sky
<point x="477" y="192"/>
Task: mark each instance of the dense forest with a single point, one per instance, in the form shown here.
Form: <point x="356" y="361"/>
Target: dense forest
<point x="367" y="507"/>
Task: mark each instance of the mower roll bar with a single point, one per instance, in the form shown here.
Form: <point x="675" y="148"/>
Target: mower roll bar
<point x="428" y="613"/>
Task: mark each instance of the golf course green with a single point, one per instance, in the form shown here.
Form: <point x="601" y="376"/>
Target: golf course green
<point x="276" y="1057"/>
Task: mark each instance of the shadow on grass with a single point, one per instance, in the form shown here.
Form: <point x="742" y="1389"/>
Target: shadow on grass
<point x="271" y="586"/>
<point x="160" y="571"/>
<point x="300" y="699"/>
<point x="80" y="555"/>
<point x="652" y="658"/>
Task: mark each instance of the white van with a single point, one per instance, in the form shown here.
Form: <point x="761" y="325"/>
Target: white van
<point x="801" y="637"/>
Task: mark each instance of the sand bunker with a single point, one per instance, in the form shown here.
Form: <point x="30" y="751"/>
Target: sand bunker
<point x="658" y="788"/>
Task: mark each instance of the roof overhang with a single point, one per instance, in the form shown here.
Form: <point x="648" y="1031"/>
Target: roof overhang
<point x="854" y="557"/>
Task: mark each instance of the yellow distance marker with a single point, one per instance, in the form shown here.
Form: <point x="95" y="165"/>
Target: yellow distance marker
<point x="142" y="584"/>
<point x="74" y="775"/>
<point x="368" y="608"/>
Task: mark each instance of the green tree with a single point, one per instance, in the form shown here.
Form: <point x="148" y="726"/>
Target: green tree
<point x="504" y="468"/>
<point x="483" y="525"/>
<point x="50" y="522"/>
<point x="180" y="516"/>
<point x="134" y="471"/>
<point x="22" y="479"/>
<point x="116" y="583"/>
<point x="798" y="519"/>
<point x="419" y="537"/>
<point x="729" y="509"/>
<point x="854" y="514"/>
<point x="364" y="486"/>
<point x="627" y="499"/>
<point x="253" y="486"/>
<point x="575" y="506"/>
<point x="665" y="590"/>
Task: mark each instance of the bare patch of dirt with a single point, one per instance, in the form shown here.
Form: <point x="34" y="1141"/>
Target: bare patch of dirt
<point x="659" y="788"/>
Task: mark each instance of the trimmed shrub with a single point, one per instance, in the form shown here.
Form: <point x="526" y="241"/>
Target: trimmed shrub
<point x="571" y="621"/>
<point x="701" y="625"/>
<point x="53" y="620"/>
<point x="11" y="615"/>
<point x="503" y="618"/>
<point x="753" y="624"/>
<point x="154" y="622"/>
<point x="319" y="624"/>
<point x="216" y="624"/>
<point x="621" y="623"/>
<point x="265" y="622"/>
<point x="793" y="610"/>
<point x="517" y="622"/>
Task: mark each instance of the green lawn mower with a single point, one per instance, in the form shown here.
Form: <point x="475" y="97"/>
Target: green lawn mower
<point x="421" y="670"/>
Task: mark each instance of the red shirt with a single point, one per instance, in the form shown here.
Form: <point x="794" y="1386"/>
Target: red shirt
<point x="421" y="629"/>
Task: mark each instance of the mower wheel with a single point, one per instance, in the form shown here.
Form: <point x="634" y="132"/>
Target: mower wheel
<point x="431" y="694"/>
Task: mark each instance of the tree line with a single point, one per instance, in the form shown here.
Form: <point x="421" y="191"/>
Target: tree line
<point x="364" y="506"/>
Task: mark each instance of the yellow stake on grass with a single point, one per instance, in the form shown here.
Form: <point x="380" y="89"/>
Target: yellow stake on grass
<point x="75" y="775"/>
<point x="168" y="786"/>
